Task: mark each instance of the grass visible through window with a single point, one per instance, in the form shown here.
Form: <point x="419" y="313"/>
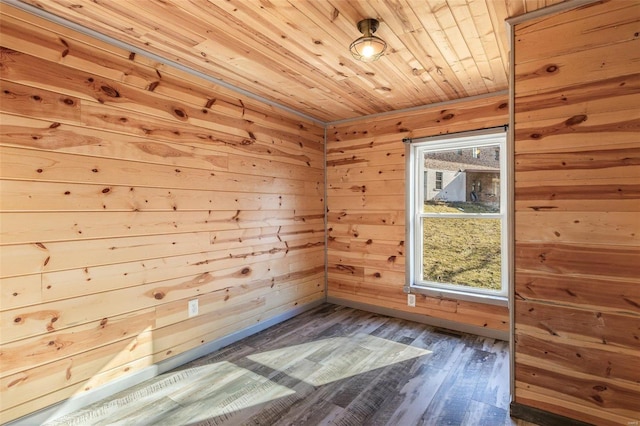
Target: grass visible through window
<point x="462" y="251"/>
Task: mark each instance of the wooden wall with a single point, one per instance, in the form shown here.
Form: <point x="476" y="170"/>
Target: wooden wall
<point x="366" y="208"/>
<point x="129" y="188"/>
<point x="577" y="178"/>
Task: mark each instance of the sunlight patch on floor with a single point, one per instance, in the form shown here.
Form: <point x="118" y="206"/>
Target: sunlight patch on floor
<point x="230" y="389"/>
<point x="325" y="361"/>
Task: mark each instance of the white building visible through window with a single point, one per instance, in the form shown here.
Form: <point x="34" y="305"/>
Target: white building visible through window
<point x="458" y="226"/>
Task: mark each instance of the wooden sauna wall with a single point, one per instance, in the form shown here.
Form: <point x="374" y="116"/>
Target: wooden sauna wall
<point x="366" y="208"/>
<point x="128" y="189"/>
<point x="577" y="152"/>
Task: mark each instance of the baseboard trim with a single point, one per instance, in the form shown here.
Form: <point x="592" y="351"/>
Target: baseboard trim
<point x="423" y="319"/>
<point x="77" y="402"/>
<point x="542" y="417"/>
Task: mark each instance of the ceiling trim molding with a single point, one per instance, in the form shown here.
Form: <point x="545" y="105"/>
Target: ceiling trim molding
<point x="549" y="10"/>
<point x="420" y="107"/>
<point x="126" y="46"/>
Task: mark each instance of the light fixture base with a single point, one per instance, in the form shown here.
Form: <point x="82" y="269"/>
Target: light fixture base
<point x="368" y="26"/>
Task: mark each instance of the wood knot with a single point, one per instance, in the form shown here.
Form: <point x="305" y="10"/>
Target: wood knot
<point x="245" y="271"/>
<point x="159" y="295"/>
<point x="552" y="69"/>
<point x="448" y="116"/>
<point x="377" y="275"/>
<point x="346" y="268"/>
<point x="503" y="105"/>
<point x="576" y="119"/>
<point x="180" y="113"/>
<point x="110" y="91"/>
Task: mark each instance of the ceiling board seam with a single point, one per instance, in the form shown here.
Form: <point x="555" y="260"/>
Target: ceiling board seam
<point x="120" y="44"/>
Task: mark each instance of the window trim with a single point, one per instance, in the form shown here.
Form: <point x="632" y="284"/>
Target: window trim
<point x="414" y="191"/>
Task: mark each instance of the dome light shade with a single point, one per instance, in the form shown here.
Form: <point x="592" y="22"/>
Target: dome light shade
<point x="368" y="48"/>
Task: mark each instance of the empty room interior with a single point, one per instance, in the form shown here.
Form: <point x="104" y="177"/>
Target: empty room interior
<point x="349" y="212"/>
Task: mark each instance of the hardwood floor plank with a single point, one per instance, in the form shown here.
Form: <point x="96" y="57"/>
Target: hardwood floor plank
<point x="454" y="395"/>
<point x="408" y="405"/>
<point x="329" y="366"/>
<point x="481" y="414"/>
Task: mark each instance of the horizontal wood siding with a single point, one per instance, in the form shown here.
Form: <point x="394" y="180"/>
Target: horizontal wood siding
<point x="577" y="179"/>
<point x="128" y="189"/>
<point x="366" y="207"/>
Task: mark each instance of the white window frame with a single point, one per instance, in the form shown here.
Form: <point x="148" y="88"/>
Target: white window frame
<point x="415" y="213"/>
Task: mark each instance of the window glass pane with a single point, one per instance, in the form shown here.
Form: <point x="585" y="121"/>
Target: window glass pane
<point x="462" y="251"/>
<point x="462" y="180"/>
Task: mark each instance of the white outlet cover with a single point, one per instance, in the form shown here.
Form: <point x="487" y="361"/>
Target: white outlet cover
<point x="411" y="300"/>
<point x="193" y="308"/>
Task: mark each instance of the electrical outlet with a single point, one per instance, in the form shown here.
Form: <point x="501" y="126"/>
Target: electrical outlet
<point x="193" y="308"/>
<point x="411" y="300"/>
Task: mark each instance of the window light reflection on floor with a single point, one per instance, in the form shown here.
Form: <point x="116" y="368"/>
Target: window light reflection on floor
<point x="224" y="390"/>
<point x="324" y="361"/>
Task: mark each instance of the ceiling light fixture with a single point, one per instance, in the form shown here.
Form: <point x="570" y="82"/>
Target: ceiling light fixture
<point x="368" y="48"/>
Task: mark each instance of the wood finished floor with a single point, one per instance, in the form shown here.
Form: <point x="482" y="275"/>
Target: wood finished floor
<point x="329" y="366"/>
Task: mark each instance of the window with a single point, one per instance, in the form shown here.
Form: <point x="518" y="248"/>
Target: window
<point x="457" y="236"/>
<point x="438" y="180"/>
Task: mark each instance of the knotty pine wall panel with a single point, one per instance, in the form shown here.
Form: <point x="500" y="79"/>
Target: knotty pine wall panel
<point x="127" y="189"/>
<point x="577" y="229"/>
<point x="366" y="207"/>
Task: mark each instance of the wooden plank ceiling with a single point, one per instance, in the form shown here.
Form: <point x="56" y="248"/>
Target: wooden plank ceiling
<point x="295" y="52"/>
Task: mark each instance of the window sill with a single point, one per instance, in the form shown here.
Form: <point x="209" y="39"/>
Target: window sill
<point x="440" y="293"/>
